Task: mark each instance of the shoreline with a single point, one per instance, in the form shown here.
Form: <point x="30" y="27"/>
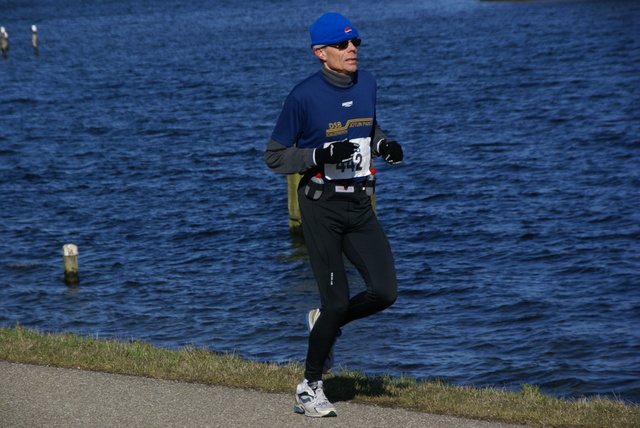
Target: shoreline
<point x="48" y="353"/>
<point x="43" y="396"/>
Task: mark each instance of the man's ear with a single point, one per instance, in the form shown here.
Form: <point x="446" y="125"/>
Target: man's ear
<point x="320" y="53"/>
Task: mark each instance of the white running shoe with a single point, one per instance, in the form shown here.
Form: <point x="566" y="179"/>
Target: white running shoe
<point x="311" y="401"/>
<point x="312" y="317"/>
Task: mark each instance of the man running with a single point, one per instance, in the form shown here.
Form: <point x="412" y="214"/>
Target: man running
<point x="327" y="131"/>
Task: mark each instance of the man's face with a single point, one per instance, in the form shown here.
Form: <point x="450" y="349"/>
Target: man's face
<point x="340" y="61"/>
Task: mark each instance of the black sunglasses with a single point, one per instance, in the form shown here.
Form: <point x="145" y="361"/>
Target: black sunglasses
<point x="345" y="44"/>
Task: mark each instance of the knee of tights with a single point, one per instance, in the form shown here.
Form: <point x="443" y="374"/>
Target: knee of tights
<point x="336" y="310"/>
<point x="387" y="299"/>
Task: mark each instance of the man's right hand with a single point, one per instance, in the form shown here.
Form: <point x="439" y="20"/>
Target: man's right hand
<point x="342" y="151"/>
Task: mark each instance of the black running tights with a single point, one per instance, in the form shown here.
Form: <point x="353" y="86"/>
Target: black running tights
<point x="332" y="228"/>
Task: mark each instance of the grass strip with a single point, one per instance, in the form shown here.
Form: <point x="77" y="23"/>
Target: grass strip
<point x="190" y="364"/>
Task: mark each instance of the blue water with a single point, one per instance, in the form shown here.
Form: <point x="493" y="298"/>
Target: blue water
<point x="138" y="134"/>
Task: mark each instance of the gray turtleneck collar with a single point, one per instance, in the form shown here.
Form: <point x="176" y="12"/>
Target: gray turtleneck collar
<point x="337" y="79"/>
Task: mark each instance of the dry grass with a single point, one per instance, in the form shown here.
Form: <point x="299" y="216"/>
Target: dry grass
<point x="528" y="406"/>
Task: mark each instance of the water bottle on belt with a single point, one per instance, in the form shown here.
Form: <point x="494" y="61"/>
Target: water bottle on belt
<point x="370" y="183"/>
<point x="315" y="186"/>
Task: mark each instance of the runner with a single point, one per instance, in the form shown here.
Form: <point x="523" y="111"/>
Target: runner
<point x="327" y="131"/>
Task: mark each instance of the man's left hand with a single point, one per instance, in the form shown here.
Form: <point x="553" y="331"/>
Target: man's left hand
<point x="390" y="151"/>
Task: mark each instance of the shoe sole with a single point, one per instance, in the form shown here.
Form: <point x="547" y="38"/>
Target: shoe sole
<point x="312" y="317"/>
<point x="300" y="410"/>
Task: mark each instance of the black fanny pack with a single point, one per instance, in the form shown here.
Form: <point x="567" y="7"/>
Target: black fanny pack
<point x="353" y="191"/>
<point x="339" y="191"/>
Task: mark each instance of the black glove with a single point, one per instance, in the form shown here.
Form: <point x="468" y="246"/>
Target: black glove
<point x="390" y="151"/>
<point x="341" y="151"/>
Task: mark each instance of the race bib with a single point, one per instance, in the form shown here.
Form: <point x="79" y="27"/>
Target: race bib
<point x="358" y="166"/>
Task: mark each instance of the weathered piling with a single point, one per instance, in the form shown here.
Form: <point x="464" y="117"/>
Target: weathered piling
<point x="34" y="39"/>
<point x="70" y="260"/>
<point x="295" y="220"/>
<point x="4" y="42"/>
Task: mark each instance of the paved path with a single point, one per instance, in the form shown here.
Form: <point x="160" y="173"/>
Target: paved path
<point x="40" y="396"/>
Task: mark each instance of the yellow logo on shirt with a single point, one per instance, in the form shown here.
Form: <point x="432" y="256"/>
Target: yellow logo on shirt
<point x="336" y="128"/>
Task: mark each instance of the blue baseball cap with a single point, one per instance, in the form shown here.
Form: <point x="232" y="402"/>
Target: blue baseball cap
<point x="331" y="28"/>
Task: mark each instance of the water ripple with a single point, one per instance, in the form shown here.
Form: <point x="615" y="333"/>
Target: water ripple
<point x="513" y="219"/>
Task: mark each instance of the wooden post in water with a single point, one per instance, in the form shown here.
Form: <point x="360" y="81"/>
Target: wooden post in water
<point x="34" y="39"/>
<point x="4" y="42"/>
<point x="70" y="259"/>
<point x="295" y="220"/>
